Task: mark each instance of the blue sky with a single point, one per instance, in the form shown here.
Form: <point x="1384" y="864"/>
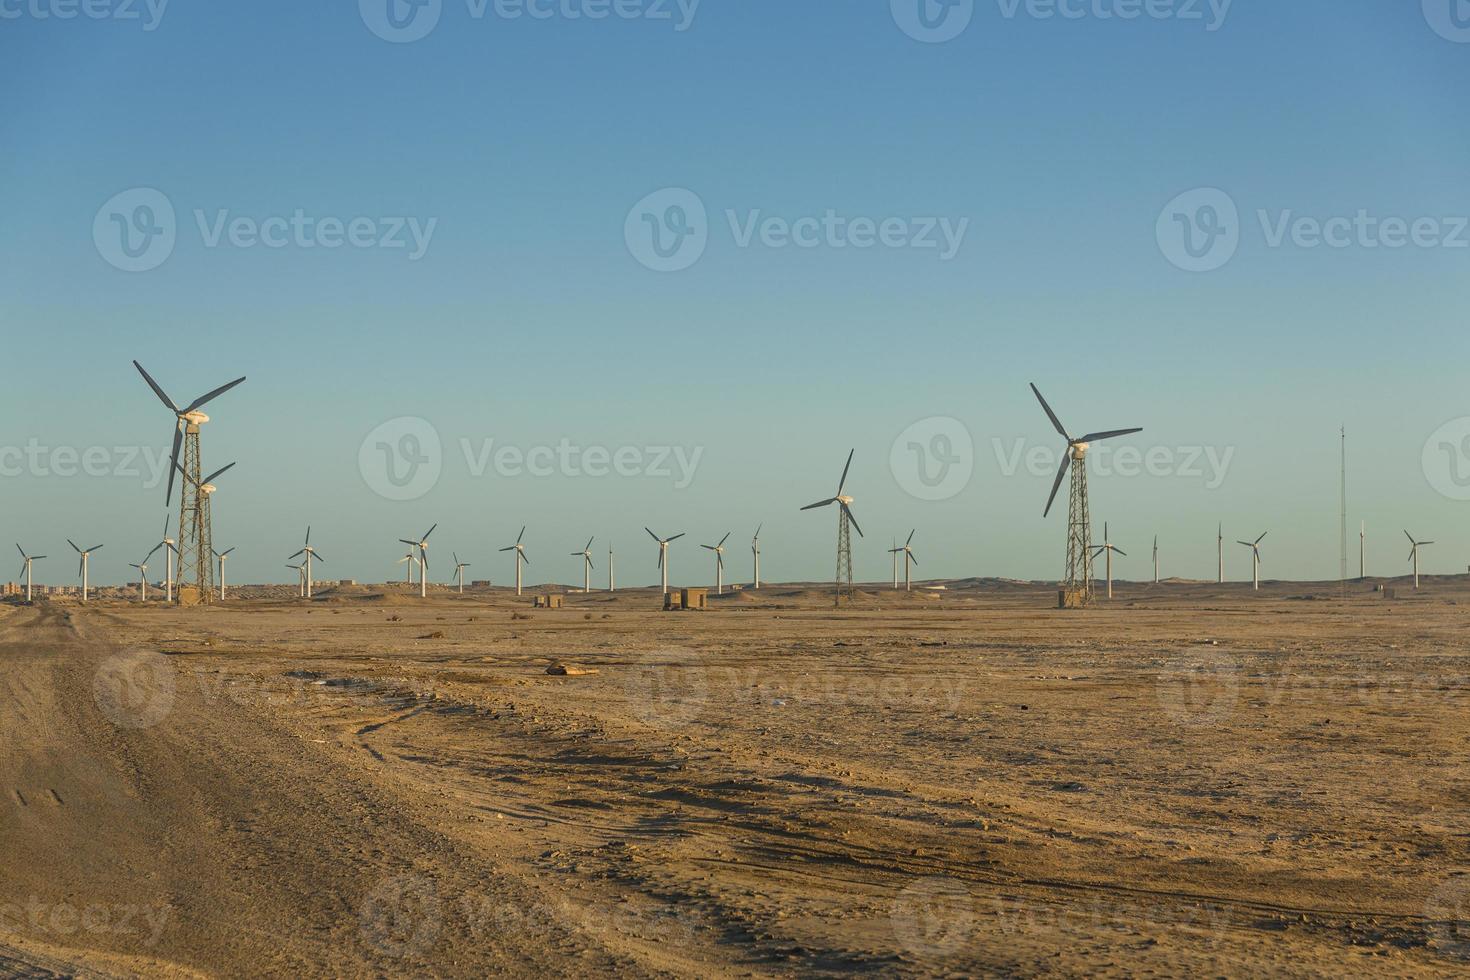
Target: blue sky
<point x="529" y="320"/>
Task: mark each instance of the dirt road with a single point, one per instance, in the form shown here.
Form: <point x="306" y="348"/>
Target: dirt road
<point x="1187" y="782"/>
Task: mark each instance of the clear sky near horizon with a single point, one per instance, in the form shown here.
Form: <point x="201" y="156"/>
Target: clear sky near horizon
<point x="1080" y="164"/>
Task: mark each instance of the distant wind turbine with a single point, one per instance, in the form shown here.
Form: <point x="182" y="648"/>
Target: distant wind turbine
<point x="755" y="551"/>
<point x="26" y="568"/>
<point x="845" y="520"/>
<point x="222" y="556"/>
<point x="311" y="555"/>
<point x="142" y="568"/>
<point x="663" y="555"/>
<point x="1255" y="547"/>
<point x="83" y="563"/>
<point x="1107" y="548"/>
<point x="719" y="550"/>
<point x="520" y="557"/>
<point x="1414" y="554"/>
<point x="459" y="568"/>
<point x="422" y="544"/>
<point x="586" y="555"/>
<point x="907" y="551"/>
<point x="1363" y="551"/>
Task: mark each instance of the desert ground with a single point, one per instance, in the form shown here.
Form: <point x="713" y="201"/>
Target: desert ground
<point x="1189" y="780"/>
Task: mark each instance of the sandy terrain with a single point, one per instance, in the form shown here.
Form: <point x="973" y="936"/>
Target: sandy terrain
<point x="1189" y="780"/>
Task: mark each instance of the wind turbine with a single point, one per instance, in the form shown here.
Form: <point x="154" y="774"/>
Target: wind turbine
<point x="411" y="560"/>
<point x="311" y="555"/>
<point x="1156" y="559"/>
<point x="300" y="571"/>
<point x="221" y="556"/>
<point x="520" y="551"/>
<point x="204" y="495"/>
<point x="1414" y="554"/>
<point x="82" y="564"/>
<point x="907" y="550"/>
<point x="168" y="560"/>
<point x="459" y="568"/>
<point x="194" y="545"/>
<point x="719" y="550"/>
<point x="755" y="550"/>
<point x="1220" y="553"/>
<point x="1255" y="548"/>
<point x="422" y="544"/>
<point x="586" y="554"/>
<point x="663" y="555"/>
<point x="1107" y="547"/>
<point x="26" y="568"/>
<point x="1363" y="551"/>
<point x="895" y="551"/>
<point x="143" y="570"/>
<point x="1079" y="517"/>
<point x="844" y="520"/>
<point x="612" y="582"/>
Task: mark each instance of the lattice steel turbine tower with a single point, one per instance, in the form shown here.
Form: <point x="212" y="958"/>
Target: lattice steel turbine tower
<point x="1078" y="576"/>
<point x="846" y="523"/>
<point x="195" y="552"/>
